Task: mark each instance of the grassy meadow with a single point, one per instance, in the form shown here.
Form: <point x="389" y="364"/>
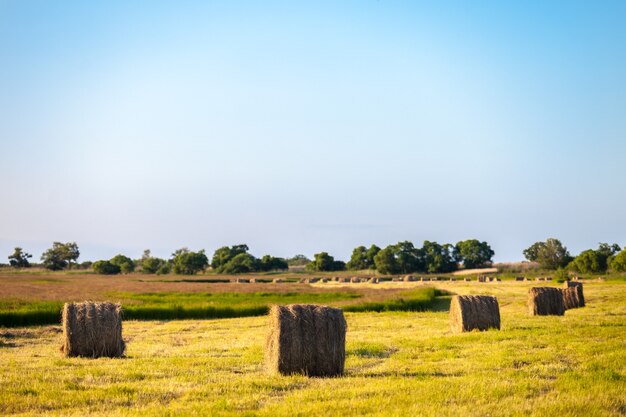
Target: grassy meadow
<point x="398" y="364"/>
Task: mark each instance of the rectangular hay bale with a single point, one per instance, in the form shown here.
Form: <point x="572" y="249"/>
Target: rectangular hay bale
<point x="469" y="312"/>
<point x="92" y="330"/>
<point x="545" y="301"/>
<point x="306" y="339"/>
<point x="571" y="300"/>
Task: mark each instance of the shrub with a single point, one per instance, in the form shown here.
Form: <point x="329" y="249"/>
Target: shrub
<point x="618" y="264"/>
<point x="126" y="264"/>
<point x="186" y="262"/>
<point x="152" y="265"/>
<point x="106" y="268"/>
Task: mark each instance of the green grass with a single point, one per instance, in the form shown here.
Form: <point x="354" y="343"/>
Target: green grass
<point x="172" y="305"/>
<point x="397" y="364"/>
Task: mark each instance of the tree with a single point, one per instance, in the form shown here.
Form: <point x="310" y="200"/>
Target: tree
<point x="151" y="265"/>
<point x="298" y="260"/>
<point x="106" y="268"/>
<point x="324" y="262"/>
<point x="473" y="253"/>
<point x="550" y="254"/>
<point x="618" y="264"/>
<point x="186" y="262"/>
<point x="241" y="263"/>
<point x="385" y="261"/>
<point x="60" y="255"/>
<point x="19" y="258"/>
<point x="71" y="253"/>
<point x="588" y="262"/>
<point x="595" y="261"/>
<point x="409" y="258"/>
<point x="225" y="254"/>
<point x="363" y="258"/>
<point x="270" y="263"/>
<point x="438" y="258"/>
<point x="126" y="264"/>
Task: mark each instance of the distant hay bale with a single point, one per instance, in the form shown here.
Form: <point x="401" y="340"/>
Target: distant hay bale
<point x="545" y="301"/>
<point x="277" y="281"/>
<point x="539" y="279"/>
<point x="549" y="279"/>
<point x="373" y="281"/>
<point x="571" y="300"/>
<point x="344" y="279"/>
<point x="469" y="312"/>
<point x="434" y="279"/>
<point x="482" y="278"/>
<point x="241" y="281"/>
<point x="92" y="330"/>
<point x="425" y="279"/>
<point x="467" y="279"/>
<point x="408" y="278"/>
<point x="355" y="279"/>
<point x="324" y="280"/>
<point x="306" y="339"/>
<point x="336" y="279"/>
<point x="303" y="280"/>
<point x="452" y="279"/>
<point x="520" y="279"/>
<point x="253" y="280"/>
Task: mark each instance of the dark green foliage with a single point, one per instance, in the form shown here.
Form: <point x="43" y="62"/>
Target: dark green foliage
<point x="401" y="258"/>
<point x="550" y="254"/>
<point x="152" y="265"/>
<point x="126" y="264"/>
<point x="225" y="254"/>
<point x="363" y="258"/>
<point x="385" y="261"/>
<point x="241" y="263"/>
<point x="60" y="256"/>
<point x="106" y="268"/>
<point x="473" y="253"/>
<point x="19" y="258"/>
<point x="595" y="261"/>
<point x="298" y="260"/>
<point x="271" y="263"/>
<point x="438" y="258"/>
<point x="618" y="263"/>
<point x="324" y="262"/>
<point x="186" y="262"/>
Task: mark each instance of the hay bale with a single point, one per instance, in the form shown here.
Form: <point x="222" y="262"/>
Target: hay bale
<point x="425" y="279"/>
<point x="579" y="293"/>
<point x="482" y="278"/>
<point x="452" y="279"/>
<point x="520" y="279"/>
<point x="92" y="330"/>
<point x="253" y="280"/>
<point x="549" y="279"/>
<point x="306" y="339"/>
<point x="408" y="278"/>
<point x="277" y="281"/>
<point x="467" y="279"/>
<point x="373" y="281"/>
<point x="469" y="312"/>
<point x="241" y="281"/>
<point x="539" y="279"/>
<point x="355" y="280"/>
<point x="545" y="301"/>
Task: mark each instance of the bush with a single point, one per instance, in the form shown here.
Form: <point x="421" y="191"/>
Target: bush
<point x="618" y="264"/>
<point x="186" y="262"/>
<point x="106" y="268"/>
<point x="324" y="262"/>
<point x="561" y="275"/>
<point x="126" y="264"/>
<point x="152" y="265"/>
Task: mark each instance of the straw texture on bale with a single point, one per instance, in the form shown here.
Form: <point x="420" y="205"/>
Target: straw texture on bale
<point x="92" y="330"/>
<point x="306" y="339"/>
<point x="545" y="301"/>
<point x="571" y="300"/>
<point x="469" y="312"/>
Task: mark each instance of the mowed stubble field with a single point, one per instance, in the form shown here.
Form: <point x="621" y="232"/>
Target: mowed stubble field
<point x="398" y="364"/>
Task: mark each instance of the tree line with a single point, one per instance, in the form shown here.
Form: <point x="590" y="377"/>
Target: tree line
<point x="400" y="258"/>
<point x="553" y="255"/>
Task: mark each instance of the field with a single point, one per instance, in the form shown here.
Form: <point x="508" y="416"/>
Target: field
<point x="398" y="363"/>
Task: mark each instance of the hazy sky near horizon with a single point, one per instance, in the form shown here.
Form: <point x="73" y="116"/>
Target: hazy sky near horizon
<point x="297" y="127"/>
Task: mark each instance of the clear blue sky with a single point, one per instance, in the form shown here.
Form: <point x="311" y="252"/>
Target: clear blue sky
<point x="297" y="127"/>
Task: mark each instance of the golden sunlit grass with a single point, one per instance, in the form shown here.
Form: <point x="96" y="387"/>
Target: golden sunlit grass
<point x="398" y="364"/>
